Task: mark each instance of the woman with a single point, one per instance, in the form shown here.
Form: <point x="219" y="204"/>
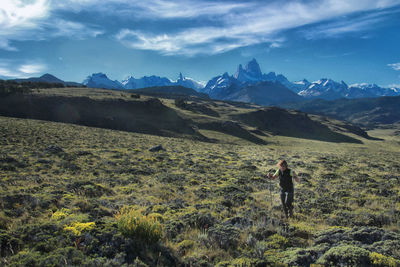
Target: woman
<point x="286" y="183"/>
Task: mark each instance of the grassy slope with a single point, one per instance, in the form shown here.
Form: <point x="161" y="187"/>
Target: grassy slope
<point x="194" y="187"/>
<point x="213" y="203"/>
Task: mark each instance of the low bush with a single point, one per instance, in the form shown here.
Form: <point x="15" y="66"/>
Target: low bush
<point x="132" y="223"/>
<point x="382" y="260"/>
<point x="345" y="255"/>
<point x="78" y="227"/>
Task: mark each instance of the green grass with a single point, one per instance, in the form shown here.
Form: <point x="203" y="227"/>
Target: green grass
<point x="194" y="189"/>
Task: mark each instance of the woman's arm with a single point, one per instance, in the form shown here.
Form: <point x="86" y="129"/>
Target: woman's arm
<point x="273" y="177"/>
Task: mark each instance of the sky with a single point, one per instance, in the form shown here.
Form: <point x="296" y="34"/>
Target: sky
<point x="351" y="40"/>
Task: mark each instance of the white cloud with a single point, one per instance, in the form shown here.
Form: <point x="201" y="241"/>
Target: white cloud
<point x="5" y="45"/>
<point x="154" y="9"/>
<point x="22" y="20"/>
<point x="215" y="26"/>
<point x="395" y="66"/>
<point x="19" y="13"/>
<point x="9" y="73"/>
<point x="13" y="69"/>
<point x="189" y="42"/>
<point x="31" y="68"/>
<point x="18" y="17"/>
<point x="254" y="24"/>
<point x="345" y="25"/>
<point x="61" y="27"/>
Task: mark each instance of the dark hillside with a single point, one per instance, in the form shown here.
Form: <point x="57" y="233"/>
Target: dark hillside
<point x="149" y="116"/>
<point x="170" y="92"/>
<point x="294" y="124"/>
<point x="362" y="111"/>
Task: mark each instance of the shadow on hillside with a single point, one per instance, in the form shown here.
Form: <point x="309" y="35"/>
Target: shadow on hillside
<point x="150" y="117"/>
<point x="232" y="128"/>
<point x="279" y="121"/>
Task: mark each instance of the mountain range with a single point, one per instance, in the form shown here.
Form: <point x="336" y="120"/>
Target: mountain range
<point x="48" y="78"/>
<point x="100" y="80"/>
<point x="248" y="84"/>
<point x="221" y="87"/>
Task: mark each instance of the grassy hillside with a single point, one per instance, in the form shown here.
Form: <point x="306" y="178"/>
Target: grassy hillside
<point x="79" y="195"/>
<point x="122" y="110"/>
<point x="76" y="195"/>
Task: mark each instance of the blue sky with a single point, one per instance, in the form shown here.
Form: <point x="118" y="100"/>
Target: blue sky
<point x="355" y="41"/>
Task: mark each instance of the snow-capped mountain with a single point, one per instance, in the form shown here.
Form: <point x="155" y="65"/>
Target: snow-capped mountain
<point x="326" y="89"/>
<point x="262" y="93"/>
<point x="219" y="83"/>
<point x="298" y="86"/>
<point x="146" y="81"/>
<point x="370" y="90"/>
<point x="250" y="74"/>
<point x="329" y="90"/>
<point x="189" y="82"/>
<point x="249" y="84"/>
<point x="226" y="86"/>
<point x="100" y="80"/>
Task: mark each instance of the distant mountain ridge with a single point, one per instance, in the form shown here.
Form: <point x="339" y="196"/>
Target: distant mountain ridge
<point x="48" y="78"/>
<point x="249" y="84"/>
<point x="360" y="111"/>
<point x="100" y="80"/>
<point x="330" y="90"/>
<point x="220" y="86"/>
<point x="243" y="85"/>
<point x="263" y="93"/>
<point x="250" y="74"/>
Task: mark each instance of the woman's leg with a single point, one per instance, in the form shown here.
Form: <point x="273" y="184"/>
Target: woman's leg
<point x="284" y="198"/>
<point x="289" y="203"/>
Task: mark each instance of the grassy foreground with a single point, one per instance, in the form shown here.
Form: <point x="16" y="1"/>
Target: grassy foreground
<point x="75" y="195"/>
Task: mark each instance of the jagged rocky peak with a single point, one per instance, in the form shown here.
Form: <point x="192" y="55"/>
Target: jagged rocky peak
<point x="253" y="69"/>
<point x="239" y="71"/>
<point x="250" y="72"/>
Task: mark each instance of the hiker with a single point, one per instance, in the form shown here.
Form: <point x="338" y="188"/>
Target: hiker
<point x="286" y="183"/>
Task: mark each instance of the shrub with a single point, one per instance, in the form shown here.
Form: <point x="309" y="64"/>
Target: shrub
<point x="382" y="260"/>
<point x="277" y="241"/>
<point x="225" y="236"/>
<point x="67" y="256"/>
<point x="78" y="227"/>
<point x="60" y="214"/>
<point x="132" y="223"/>
<point x="180" y="103"/>
<point x="242" y="262"/>
<point x="185" y="245"/>
<point x="345" y="255"/>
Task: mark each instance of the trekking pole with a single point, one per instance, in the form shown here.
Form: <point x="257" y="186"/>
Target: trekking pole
<point x="270" y="192"/>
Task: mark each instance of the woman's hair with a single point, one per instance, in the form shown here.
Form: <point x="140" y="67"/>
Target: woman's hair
<point x="282" y="163"/>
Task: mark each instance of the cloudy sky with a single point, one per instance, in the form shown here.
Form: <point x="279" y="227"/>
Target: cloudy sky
<point x="351" y="40"/>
